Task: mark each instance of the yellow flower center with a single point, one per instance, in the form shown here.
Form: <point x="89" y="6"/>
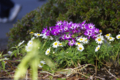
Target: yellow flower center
<point x="30" y="42"/>
<point x="48" y="51"/>
<point x="99" y="39"/>
<point x="38" y="34"/>
<point x="85" y="39"/>
<point x="81" y="39"/>
<point x="100" y="31"/>
<point x="110" y="37"/>
<point x="78" y="43"/>
<point x="80" y="48"/>
<point x="56" y="43"/>
<point x="60" y="44"/>
<point x="98" y="48"/>
<point x="118" y="36"/>
<point x="107" y="34"/>
<point x="31" y="32"/>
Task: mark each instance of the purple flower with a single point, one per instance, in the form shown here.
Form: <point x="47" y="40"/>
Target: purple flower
<point x="73" y="26"/>
<point x="83" y="26"/>
<point x="59" y="23"/>
<point x="90" y="26"/>
<point x="74" y="31"/>
<point x="66" y="29"/>
<point x="88" y="33"/>
<point x="67" y="36"/>
<point x="96" y="30"/>
<point x="71" y="42"/>
<point x="44" y="30"/>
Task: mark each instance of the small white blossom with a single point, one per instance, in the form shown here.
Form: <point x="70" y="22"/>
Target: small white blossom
<point x="30" y="43"/>
<point x="51" y="38"/>
<point x="21" y="43"/>
<point x="47" y="51"/>
<point x="111" y="38"/>
<point x="60" y="44"/>
<point x="80" y="48"/>
<point x="44" y="36"/>
<point x="85" y="40"/>
<point x="37" y="34"/>
<point x="99" y="40"/>
<point x="55" y="44"/>
<point x="97" y="48"/>
<point x="80" y="39"/>
<point x="77" y="43"/>
<point x="9" y="52"/>
<point x="107" y="35"/>
<point x="32" y="38"/>
<point x="40" y="65"/>
<point x="118" y="36"/>
<point x="28" y="48"/>
<point x="43" y="62"/>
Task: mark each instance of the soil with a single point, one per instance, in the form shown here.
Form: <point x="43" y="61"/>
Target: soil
<point x="88" y="73"/>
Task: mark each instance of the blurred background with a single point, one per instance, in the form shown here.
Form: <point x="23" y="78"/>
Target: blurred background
<point x="26" y="7"/>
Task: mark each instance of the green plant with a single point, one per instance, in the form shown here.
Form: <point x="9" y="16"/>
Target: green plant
<point x="2" y="61"/>
<point x="104" y="14"/>
<point x="94" y="52"/>
<point x="32" y="59"/>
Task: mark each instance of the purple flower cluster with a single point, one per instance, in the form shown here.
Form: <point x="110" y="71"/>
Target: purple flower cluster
<point x="65" y="30"/>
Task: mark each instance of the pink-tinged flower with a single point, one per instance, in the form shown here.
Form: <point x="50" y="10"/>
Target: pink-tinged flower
<point x="73" y="26"/>
<point x="77" y="25"/>
<point x="96" y="30"/>
<point x="55" y="32"/>
<point x="71" y="42"/>
<point x="62" y="37"/>
<point x="67" y="36"/>
<point x="74" y="31"/>
<point x="88" y="33"/>
<point x="65" y="23"/>
<point x="66" y="29"/>
<point x="90" y="26"/>
<point x="94" y="36"/>
<point x="70" y="23"/>
<point x="44" y="30"/>
<point x="83" y="26"/>
<point x="59" y="23"/>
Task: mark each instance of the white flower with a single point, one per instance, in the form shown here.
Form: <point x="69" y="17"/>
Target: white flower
<point x="30" y="43"/>
<point x="80" y="39"/>
<point x="32" y="38"/>
<point x="97" y="48"/>
<point x="99" y="40"/>
<point x="85" y="40"/>
<point x="80" y="48"/>
<point x="118" y="36"/>
<point x="9" y="52"/>
<point x="44" y="36"/>
<point x="37" y="34"/>
<point x="40" y="65"/>
<point x="42" y="62"/>
<point x="28" y="48"/>
<point x="47" y="51"/>
<point x="21" y="43"/>
<point x="56" y="44"/>
<point x="6" y="58"/>
<point x="107" y="35"/>
<point x="111" y="38"/>
<point x="60" y="44"/>
<point x="77" y="43"/>
<point x="51" y="38"/>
